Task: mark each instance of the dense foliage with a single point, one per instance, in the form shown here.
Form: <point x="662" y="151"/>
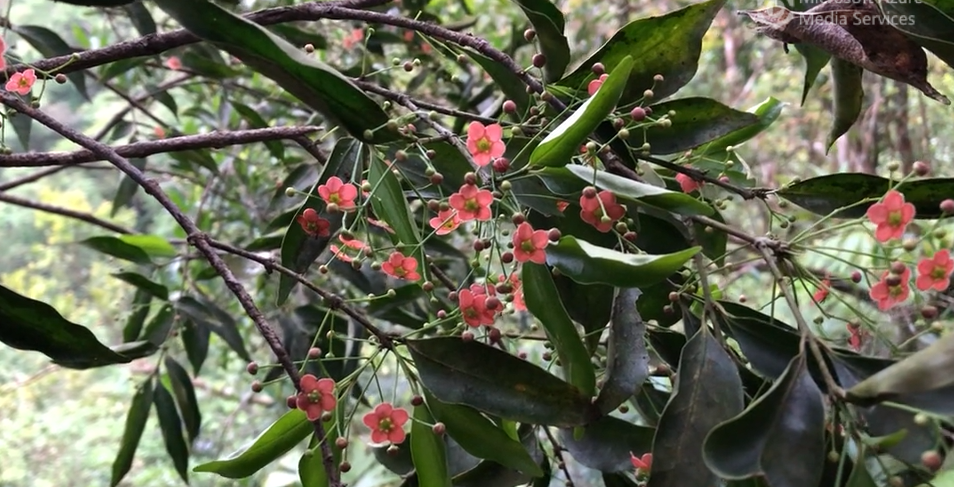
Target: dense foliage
<point x="441" y="254"/>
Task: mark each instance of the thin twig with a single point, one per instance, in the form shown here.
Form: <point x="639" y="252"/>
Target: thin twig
<point x="56" y="210"/>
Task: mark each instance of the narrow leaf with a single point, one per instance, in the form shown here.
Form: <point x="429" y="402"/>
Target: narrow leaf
<point x="195" y="340"/>
<point x="586" y="263"/>
<point x="157" y="331"/>
<point x="848" y="97"/>
<point x="185" y="397"/>
<point x="137" y="318"/>
<point x="144" y="284"/>
<point x="548" y="22"/>
<point x="926" y="370"/>
<point x="833" y="193"/>
<point x="695" y="121"/>
<point x="171" y="427"/>
<point x="627" y="360"/>
<point x="136" y="420"/>
<point x="641" y="193"/>
<point x="428" y="451"/>
<point x="277" y="440"/>
<point x="117" y="248"/>
<point x="127" y="188"/>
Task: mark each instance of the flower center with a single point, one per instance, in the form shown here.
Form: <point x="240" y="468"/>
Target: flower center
<point x="399" y="270"/>
<point x="314" y="397"/>
<point x="895" y="291"/>
<point x="471" y="205"/>
<point x="938" y="272"/>
<point x="483" y="145"/>
<point x="334" y="198"/>
<point x="895" y="218"/>
<point x="527" y="246"/>
<point x="385" y="425"/>
<point x="471" y="313"/>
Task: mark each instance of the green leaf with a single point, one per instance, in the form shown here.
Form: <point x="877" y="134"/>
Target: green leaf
<point x="137" y="318"/>
<point x="923" y="371"/>
<point x="428" y="451"/>
<point x="127" y="188"/>
<point x="185" y="397"/>
<point x="860" y="477"/>
<point x="790" y="417"/>
<point x="714" y="242"/>
<point x="171" y="427"/>
<point x="641" y="193"/>
<point x="588" y="305"/>
<point x="605" y="445"/>
<point x="152" y="245"/>
<point x="215" y="320"/>
<point x="586" y="263"/>
<point x="311" y="468"/>
<point x="389" y="203"/>
<point x="492" y="474"/>
<point x="141" y="18"/>
<point x="543" y="300"/>
<point x="564" y="141"/>
<point x="277" y="440"/>
<point x="27" y="324"/>
<point x="50" y="44"/>
<point x="136" y="420"/>
<point x="195" y="340"/>
<point x="848" y="95"/>
<point x="695" y="122"/>
<point x="815" y="60"/>
<point x="299" y="250"/>
<point x="708" y="391"/>
<point x="255" y="120"/>
<point x="833" y="193"/>
<point x="766" y="112"/>
<point x="548" y="22"/>
<point x="157" y="331"/>
<point x="669" y="45"/>
<point x="318" y="85"/>
<point x="482" y="438"/>
<point x="144" y="284"/>
<point x="627" y="360"/>
<point x="497" y="383"/>
<point x="117" y="248"/>
<point x="510" y="84"/>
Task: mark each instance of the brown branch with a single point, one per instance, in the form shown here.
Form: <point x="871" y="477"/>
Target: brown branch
<point x="148" y="148"/>
<point x="56" y="210"/>
<point x="401" y="97"/>
<point x="196" y="238"/>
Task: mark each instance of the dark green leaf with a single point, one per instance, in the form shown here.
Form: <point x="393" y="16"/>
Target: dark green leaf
<point x="669" y="45"/>
<point x="185" y="397"/>
<point x="496" y="382"/>
<point x="49" y="44"/>
<point x="277" y="440"/>
<point x="492" y="474"/>
<point x="27" y="324"/>
<point x="299" y="250"/>
<point x="215" y="320"/>
<point x="311" y="468"/>
<point x="848" y="96"/>
<point x="641" y="193"/>
<point x="482" y="438"/>
<point x="141" y="18"/>
<point x="159" y="326"/>
<point x="714" y="242"/>
<point x="627" y="360"/>
<point x="606" y="444"/>
<point x="171" y="427"/>
<point x="815" y="60"/>
<point x="255" y="120"/>
<point x="923" y="371"/>
<point x="117" y="248"/>
<point x="136" y="420"/>
<point x="152" y="245"/>
<point x="767" y="113"/>
<point x="127" y="188"/>
<point x="931" y="27"/>
<point x="144" y="284"/>
<point x="789" y="418"/>
<point x="389" y="203"/>
<point x="695" y="122"/>
<point x="708" y="391"/>
<point x="195" y="340"/>
<point x="428" y="451"/>
<point x="586" y="263"/>
<point x="137" y="318"/>
<point x="548" y="22"/>
<point x="120" y="67"/>
<point x="564" y="141"/>
<point x="543" y="300"/>
<point x="510" y="84"/>
<point x="834" y="192"/>
<point x="588" y="305"/>
<point x="318" y="85"/>
<point x="166" y="99"/>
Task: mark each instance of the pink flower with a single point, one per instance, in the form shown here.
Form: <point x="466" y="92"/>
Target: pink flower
<point x="687" y="184"/>
<point x="518" y="303"/>
<point x="174" y="63"/>
<point x="529" y="244"/>
<point x="935" y="272"/>
<point x="386" y="423"/>
<point x="473" y="307"/>
<point x="316" y="396"/>
<point x="644" y="464"/>
<point x="855" y="336"/>
<point x="484" y="143"/>
<point x="3" y="50"/>
<point x="891" y="216"/>
<point x="445" y="222"/>
<point x="334" y="191"/>
<point x="349" y="244"/>
<point x="380" y="224"/>
<point x="401" y="266"/>
<point x="595" y="84"/>
<point x="472" y="203"/>
<point x="313" y="224"/>
<point x="604" y="205"/>
<point x="160" y="132"/>
<point x="822" y="291"/>
<point x="891" y="289"/>
<point x="561" y="205"/>
<point x="355" y="37"/>
<point x="22" y="83"/>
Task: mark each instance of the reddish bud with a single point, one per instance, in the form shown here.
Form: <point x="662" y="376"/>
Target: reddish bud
<point x="539" y="60"/>
<point x="501" y="164"/>
<point x="257" y="386"/>
<point x="892" y="280"/>
<point x="598" y="68"/>
<point x="437" y="178"/>
<point x="493" y="302"/>
<point x="638" y="114"/>
<point x="439" y="429"/>
<point x="947" y="206"/>
<point x="252" y="368"/>
<point x="529" y="35"/>
<point x="417" y="400"/>
<point x="931" y="460"/>
<point x="478" y="245"/>
<point x="506" y="257"/>
<point x="630" y="236"/>
<point x="467" y="336"/>
<point x="673" y="296"/>
<point x="291" y="402"/>
<point x="554" y="234"/>
<point x="60" y="78"/>
<point x="314" y="353"/>
<point x="929" y="312"/>
<point x="509" y="106"/>
<point x="898" y="268"/>
<point x="856" y="277"/>
<point x="518" y="218"/>
<point x="494" y="335"/>
<point x="344" y="467"/>
<point x="470" y="178"/>
<point x="589" y="192"/>
<point x="452" y="296"/>
<point x="341" y="442"/>
<point x="921" y="168"/>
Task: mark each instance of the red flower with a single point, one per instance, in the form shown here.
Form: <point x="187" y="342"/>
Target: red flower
<point x="529" y="244"/>
<point x="313" y="224"/>
<point x="22" y="83"/>
<point x="855" y="336"/>
<point x="604" y="205"/>
<point x="3" y="50"/>
<point x="485" y="288"/>
<point x="596" y="83"/>
<point x="935" y="272"/>
<point x="316" y="396"/>
<point x="484" y="143"/>
<point x="561" y="205"/>
<point x="356" y="36"/>
<point x="386" y="423"/>
<point x="174" y="63"/>
<point x="445" y="222"/>
<point x="400" y="266"/>
<point x="160" y="132"/>
<point x="822" y="291"/>
<point x="350" y="244"/>
<point x="472" y="203"/>
<point x="473" y="307"/>
<point x="891" y="216"/>
<point x="381" y="224"/>
<point x="337" y="192"/>
<point x="888" y="293"/>
<point x="642" y="464"/>
<point x="518" y="303"/>
<point x="687" y="184"/>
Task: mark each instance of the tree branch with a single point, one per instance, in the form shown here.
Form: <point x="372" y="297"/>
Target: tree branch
<point x="56" y="210"/>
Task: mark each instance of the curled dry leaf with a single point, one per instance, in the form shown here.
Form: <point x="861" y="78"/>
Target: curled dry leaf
<point x="854" y="31"/>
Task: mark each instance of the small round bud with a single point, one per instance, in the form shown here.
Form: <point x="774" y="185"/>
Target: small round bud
<point x="506" y="257"/>
<point x="257" y="386"/>
<point x="630" y="236"/>
<point x="437" y="178"/>
<point x="665" y="123"/>
<point x="673" y="296"/>
<point x="623" y="133"/>
<point x="856" y="277"/>
<point x="344" y="467"/>
<point x="947" y="206"/>
<point x="452" y="296"/>
<point x="621" y="227"/>
<point x="439" y="429"/>
<point x="554" y="234"/>
<point x="931" y="460"/>
<point x="369" y="134"/>
<point x="341" y="442"/>
<point x="60" y="78"/>
<point x="529" y="35"/>
<point x="326" y="416"/>
<point x="909" y="244"/>
<point x="743" y="298"/>
<point x="591" y="146"/>
<point x="417" y="400"/>
<point x="501" y="164"/>
<point x="509" y="106"/>
<point x="658" y="78"/>
<point x="898" y="268"/>
<point x="470" y="178"/>
<point x="648" y="94"/>
<point x="428" y="286"/>
<point x="921" y="419"/>
<point x="252" y="368"/>
<point x="893" y="166"/>
<point x="921" y="168"/>
<point x="314" y="353"/>
<point x="598" y="68"/>
<point x="539" y="60"/>
<point x="478" y="245"/>
<point x="893" y="280"/>
<point x="589" y="192"/>
<point x="929" y="312"/>
<point x="309" y="48"/>
<point x="291" y="192"/>
<point x="833" y="456"/>
<point x="408" y="66"/>
<point x="467" y="336"/>
<point x="606" y="219"/>
<point x="393" y="451"/>
<point x="461" y="59"/>
<point x="291" y="402"/>
<point x="518" y="218"/>
<point x="506" y="186"/>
